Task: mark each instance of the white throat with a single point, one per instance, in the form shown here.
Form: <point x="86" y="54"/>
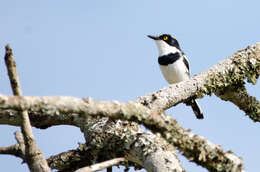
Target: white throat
<point x="164" y="48"/>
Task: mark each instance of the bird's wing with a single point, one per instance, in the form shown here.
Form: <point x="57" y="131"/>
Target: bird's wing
<point x="186" y="62"/>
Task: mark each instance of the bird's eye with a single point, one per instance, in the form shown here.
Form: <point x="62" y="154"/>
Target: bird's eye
<point x="165" y="38"/>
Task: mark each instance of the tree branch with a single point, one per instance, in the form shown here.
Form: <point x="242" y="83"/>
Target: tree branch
<point x="12" y="150"/>
<point x="33" y="155"/>
<point x="238" y="95"/>
<point x="71" y="160"/>
<point x="106" y="139"/>
<point x="75" y="159"/>
<point x="194" y="147"/>
<point x="125" y="139"/>
<point x="244" y="64"/>
<point x="102" y="165"/>
<point x="18" y="149"/>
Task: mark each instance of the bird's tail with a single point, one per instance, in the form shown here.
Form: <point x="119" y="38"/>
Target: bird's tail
<point x="196" y="108"/>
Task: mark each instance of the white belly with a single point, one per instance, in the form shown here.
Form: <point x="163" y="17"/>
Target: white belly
<point x="175" y="72"/>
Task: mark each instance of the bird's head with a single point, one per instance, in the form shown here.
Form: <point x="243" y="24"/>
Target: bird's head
<point x="166" y="44"/>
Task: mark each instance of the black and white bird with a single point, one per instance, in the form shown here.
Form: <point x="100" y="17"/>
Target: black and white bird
<point x="174" y="65"/>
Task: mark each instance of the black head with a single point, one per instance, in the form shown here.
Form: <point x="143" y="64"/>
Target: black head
<point x="166" y="38"/>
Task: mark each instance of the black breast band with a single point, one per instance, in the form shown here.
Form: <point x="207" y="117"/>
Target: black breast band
<point x="169" y="58"/>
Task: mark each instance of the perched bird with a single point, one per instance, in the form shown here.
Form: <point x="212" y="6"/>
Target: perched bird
<point x="174" y="65"/>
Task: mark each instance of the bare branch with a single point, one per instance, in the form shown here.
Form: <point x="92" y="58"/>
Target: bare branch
<point x="233" y="70"/>
<point x="11" y="150"/>
<point x="102" y="165"/>
<point x="106" y="139"/>
<point x="238" y="95"/>
<point x="194" y="147"/>
<point x="33" y="155"/>
<point x="17" y="149"/>
<point x="71" y="160"/>
<point x="125" y="139"/>
<point x="12" y="73"/>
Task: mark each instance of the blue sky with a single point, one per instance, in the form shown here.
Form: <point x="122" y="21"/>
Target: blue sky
<point x="100" y="49"/>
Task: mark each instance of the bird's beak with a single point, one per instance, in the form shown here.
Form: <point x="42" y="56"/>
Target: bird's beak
<point x="153" y="37"/>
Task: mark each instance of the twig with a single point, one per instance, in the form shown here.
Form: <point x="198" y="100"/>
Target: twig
<point x="11" y="150"/>
<point x="34" y="156"/>
<point x="17" y="149"/>
<point x="102" y="165"/>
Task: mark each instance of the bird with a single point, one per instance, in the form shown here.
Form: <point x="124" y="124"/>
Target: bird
<point x="174" y="65"/>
